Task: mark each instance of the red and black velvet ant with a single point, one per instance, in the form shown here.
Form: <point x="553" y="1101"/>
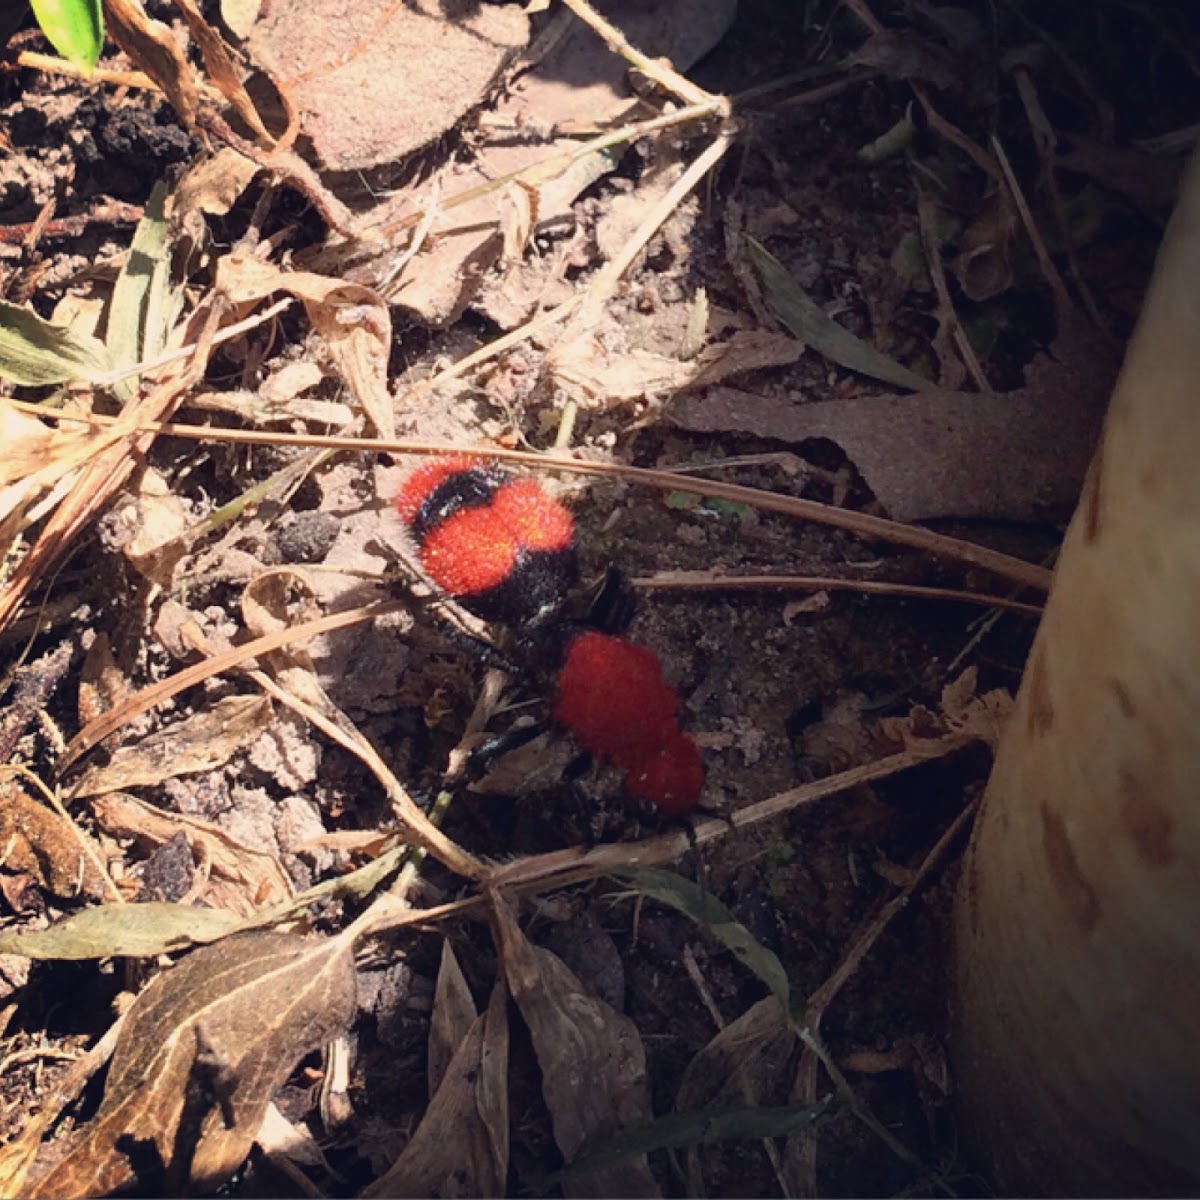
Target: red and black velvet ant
<point x="505" y="549"/>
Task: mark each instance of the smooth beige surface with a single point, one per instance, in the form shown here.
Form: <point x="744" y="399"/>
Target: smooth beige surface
<point x="1078" y="923"/>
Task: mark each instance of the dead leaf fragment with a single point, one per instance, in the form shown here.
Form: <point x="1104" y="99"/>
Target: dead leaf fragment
<point x="594" y="373"/>
<point x="219" y="64"/>
<point x="201" y="1054"/>
<point x="213" y="183"/>
<point x="576" y="83"/>
<point x="979" y="716"/>
<point x="157" y="522"/>
<point x="984" y="263"/>
<point x="107" y="460"/>
<point x="592" y="1060"/>
<point x="461" y="1146"/>
<point x="200" y="743"/>
<point x="1019" y="456"/>
<point x="352" y="320"/>
<point x="242" y="879"/>
<point x="453" y="1015"/>
<point x="152" y="47"/>
<point x="375" y="82"/>
<point x="36" y="840"/>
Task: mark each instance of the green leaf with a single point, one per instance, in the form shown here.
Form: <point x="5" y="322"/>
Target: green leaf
<point x="75" y="28"/>
<point x="144" y="930"/>
<point x="699" y="1127"/>
<point x="705" y="909"/>
<point x="34" y="352"/>
<point x="808" y="321"/>
<point x="132" y="930"/>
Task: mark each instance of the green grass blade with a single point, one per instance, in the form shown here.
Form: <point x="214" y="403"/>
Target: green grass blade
<point x="806" y="320"/>
<point x="706" y="910"/>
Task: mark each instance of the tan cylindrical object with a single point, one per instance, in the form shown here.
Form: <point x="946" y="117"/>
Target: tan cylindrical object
<point x="1077" y="1033"/>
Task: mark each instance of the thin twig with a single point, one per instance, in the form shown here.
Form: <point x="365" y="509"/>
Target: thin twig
<point x="662" y="73"/>
<point x="863" y="524"/>
<point x="937" y="274"/>
<point x="708" y="581"/>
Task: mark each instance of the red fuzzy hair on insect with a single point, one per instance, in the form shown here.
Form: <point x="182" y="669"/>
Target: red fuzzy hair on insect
<point x="426" y="479"/>
<point x="613" y="698"/>
<point x="505" y="549"/>
<point x="500" y="544"/>
<point x="671" y="779"/>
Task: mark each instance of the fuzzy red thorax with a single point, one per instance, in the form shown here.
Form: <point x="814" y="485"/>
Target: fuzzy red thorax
<point x="500" y="544"/>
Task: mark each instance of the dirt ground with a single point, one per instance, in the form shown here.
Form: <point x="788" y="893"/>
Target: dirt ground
<point x="970" y="196"/>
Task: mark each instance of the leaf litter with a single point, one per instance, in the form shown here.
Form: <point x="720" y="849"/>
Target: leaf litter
<point x="556" y="198"/>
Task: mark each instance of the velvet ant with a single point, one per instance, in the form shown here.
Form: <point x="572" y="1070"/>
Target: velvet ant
<point x="505" y="549"/>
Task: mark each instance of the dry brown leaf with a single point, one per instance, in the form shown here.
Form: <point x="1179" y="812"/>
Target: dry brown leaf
<point x="213" y="183"/>
<point x="593" y="374"/>
<point x="38" y="467"/>
<point x="375" y="82"/>
<point x="591" y="1057"/>
<point x="153" y="48"/>
<point x="453" y="1015"/>
<point x="519" y="205"/>
<point x="30" y="444"/>
<point x="979" y="716"/>
<point x="37" y="841"/>
<point x="352" y="320"/>
<point x="747" y="350"/>
<point x="747" y="1064"/>
<point x="201" y="1054"/>
<point x="371" y="842"/>
<point x="578" y="82"/>
<point x="983" y="265"/>
<point x="290" y="1146"/>
<point x="220" y="67"/>
<point x="957" y="59"/>
<point x="112" y="456"/>
<point x="153" y="527"/>
<point x="921" y="731"/>
<point x="289" y="381"/>
<point x="203" y="742"/>
<point x="958" y="694"/>
<point x="271" y="603"/>
<point x="276" y="599"/>
<point x="461" y="1146"/>
<point x="102" y="683"/>
<point x="1017" y="456"/>
<point x="242" y="879"/>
